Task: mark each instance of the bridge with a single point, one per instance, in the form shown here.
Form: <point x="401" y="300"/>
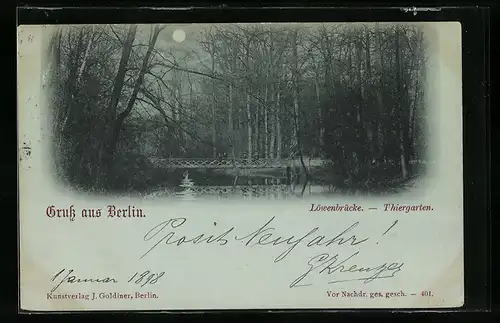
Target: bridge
<point x="236" y="163"/>
<point x="243" y="189"/>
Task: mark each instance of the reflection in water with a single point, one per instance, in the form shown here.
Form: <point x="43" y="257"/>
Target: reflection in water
<point x="247" y="186"/>
<point x="188" y="191"/>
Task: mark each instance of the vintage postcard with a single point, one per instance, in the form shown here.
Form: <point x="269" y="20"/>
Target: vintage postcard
<point x="240" y="166"/>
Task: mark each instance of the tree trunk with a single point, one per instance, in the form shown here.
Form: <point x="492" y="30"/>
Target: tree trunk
<point x="295" y="78"/>
<point x="266" y="131"/>
<point x="256" y="136"/>
<point x="118" y="122"/>
<point x="120" y="75"/>
<point x="76" y="113"/>
<point x="108" y="145"/>
<point x="272" y="132"/>
<point x="137" y="86"/>
<point x="382" y="119"/>
<point x="72" y="82"/>
<point x="279" y="143"/>
<point x="401" y="122"/>
<point x="232" y="135"/>
<point x="296" y="94"/>
<point x="214" y="104"/>
<point x="321" y="126"/>
<point x="55" y="49"/>
<point x="86" y="55"/>
<point x="230" y="119"/>
<point x="249" y="112"/>
<point x="371" y="107"/>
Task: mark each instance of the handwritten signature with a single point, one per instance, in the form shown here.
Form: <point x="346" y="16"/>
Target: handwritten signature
<point x="325" y="263"/>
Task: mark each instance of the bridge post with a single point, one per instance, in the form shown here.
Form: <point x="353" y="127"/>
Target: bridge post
<point x="288" y="175"/>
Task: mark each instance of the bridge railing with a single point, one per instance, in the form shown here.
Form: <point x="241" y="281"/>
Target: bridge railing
<point x="221" y="162"/>
<point x="244" y="189"/>
<point x="234" y="163"/>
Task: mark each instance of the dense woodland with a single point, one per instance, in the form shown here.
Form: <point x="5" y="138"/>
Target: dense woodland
<point x="350" y="94"/>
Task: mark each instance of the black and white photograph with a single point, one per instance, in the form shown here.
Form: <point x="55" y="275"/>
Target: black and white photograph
<point x="261" y="110"/>
<point x="298" y="162"/>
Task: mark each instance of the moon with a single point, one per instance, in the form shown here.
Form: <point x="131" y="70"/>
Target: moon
<point x="179" y="35"/>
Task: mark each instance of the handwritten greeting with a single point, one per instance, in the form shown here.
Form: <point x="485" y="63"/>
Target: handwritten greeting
<point x="166" y="234"/>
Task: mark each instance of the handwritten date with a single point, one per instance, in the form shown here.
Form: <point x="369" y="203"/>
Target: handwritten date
<point x="66" y="276"/>
<point x="145" y="278"/>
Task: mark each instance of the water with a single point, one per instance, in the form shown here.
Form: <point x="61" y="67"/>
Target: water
<point x="260" y="183"/>
<point x="248" y="184"/>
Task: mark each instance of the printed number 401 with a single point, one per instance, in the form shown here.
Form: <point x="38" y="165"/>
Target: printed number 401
<point x="145" y="278"/>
